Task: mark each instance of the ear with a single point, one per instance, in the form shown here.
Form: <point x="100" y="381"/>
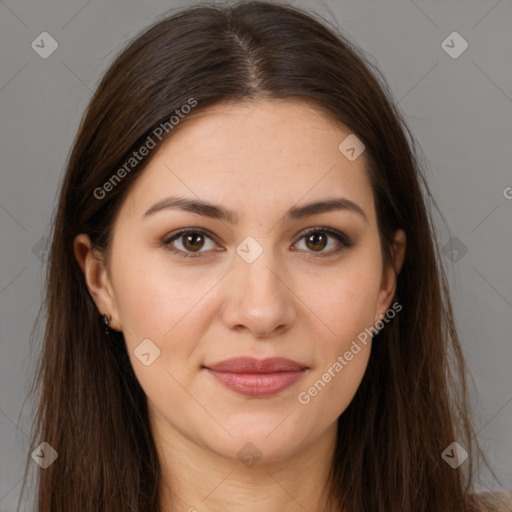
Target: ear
<point x="96" y="277"/>
<point x="389" y="274"/>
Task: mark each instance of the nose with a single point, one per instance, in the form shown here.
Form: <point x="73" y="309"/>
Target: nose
<point x="258" y="298"/>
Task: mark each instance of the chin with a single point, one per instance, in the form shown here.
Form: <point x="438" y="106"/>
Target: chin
<point x="257" y="442"/>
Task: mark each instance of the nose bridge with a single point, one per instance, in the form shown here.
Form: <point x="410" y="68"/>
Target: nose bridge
<point x="260" y="301"/>
<point x="257" y="265"/>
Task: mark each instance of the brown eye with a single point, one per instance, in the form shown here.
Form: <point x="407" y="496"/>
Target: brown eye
<point x="193" y="241"/>
<point x="316" y="241"/>
<point x="189" y="243"/>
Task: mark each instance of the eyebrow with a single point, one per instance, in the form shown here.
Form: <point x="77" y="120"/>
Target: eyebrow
<point x="219" y="212"/>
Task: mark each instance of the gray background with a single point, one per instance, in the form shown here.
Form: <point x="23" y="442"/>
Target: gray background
<point x="459" y="109"/>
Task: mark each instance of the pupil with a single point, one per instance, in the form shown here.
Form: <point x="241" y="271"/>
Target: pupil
<point x="190" y="243"/>
<point x="316" y="237"/>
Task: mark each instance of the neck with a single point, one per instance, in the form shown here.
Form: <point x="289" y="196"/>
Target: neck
<point x="197" y="479"/>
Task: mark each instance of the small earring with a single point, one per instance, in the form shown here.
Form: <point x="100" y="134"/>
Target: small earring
<point x="106" y="321"/>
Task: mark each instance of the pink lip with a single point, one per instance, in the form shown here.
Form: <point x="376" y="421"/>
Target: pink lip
<point x="257" y="378"/>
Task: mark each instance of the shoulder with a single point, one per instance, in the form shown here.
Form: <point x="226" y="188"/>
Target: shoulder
<point x="494" y="501"/>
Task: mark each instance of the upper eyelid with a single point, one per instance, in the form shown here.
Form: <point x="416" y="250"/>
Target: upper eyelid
<point x="340" y="236"/>
<point x="184" y="231"/>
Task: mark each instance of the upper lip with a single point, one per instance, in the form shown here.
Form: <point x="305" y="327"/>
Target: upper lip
<point x="251" y="365"/>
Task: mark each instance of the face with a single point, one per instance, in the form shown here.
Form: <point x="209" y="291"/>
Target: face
<point x="191" y="287"/>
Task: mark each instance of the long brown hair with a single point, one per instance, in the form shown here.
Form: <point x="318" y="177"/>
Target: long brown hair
<point x="412" y="402"/>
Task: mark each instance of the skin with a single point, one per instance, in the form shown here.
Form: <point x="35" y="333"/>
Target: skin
<point x="258" y="159"/>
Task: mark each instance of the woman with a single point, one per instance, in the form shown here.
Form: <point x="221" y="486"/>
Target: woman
<point x="245" y="305"/>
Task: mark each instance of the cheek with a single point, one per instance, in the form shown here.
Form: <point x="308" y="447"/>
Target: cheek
<point x="152" y="294"/>
<point x="146" y="302"/>
<point x="347" y="302"/>
<point x="160" y="302"/>
<point x="341" y="356"/>
<point x="347" y="306"/>
<point x="330" y="389"/>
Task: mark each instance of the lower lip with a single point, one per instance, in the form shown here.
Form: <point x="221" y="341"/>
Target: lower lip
<point x="257" y="385"/>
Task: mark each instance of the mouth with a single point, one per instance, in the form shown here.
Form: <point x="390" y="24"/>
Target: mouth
<point x="257" y="378"/>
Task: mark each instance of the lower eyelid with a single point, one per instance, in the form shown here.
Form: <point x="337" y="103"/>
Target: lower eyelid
<point x="169" y="241"/>
<point x="342" y="240"/>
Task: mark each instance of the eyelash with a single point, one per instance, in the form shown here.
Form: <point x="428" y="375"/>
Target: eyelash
<point x="340" y="237"/>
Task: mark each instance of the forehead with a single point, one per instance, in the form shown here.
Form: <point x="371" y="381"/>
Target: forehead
<point x="254" y="156"/>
